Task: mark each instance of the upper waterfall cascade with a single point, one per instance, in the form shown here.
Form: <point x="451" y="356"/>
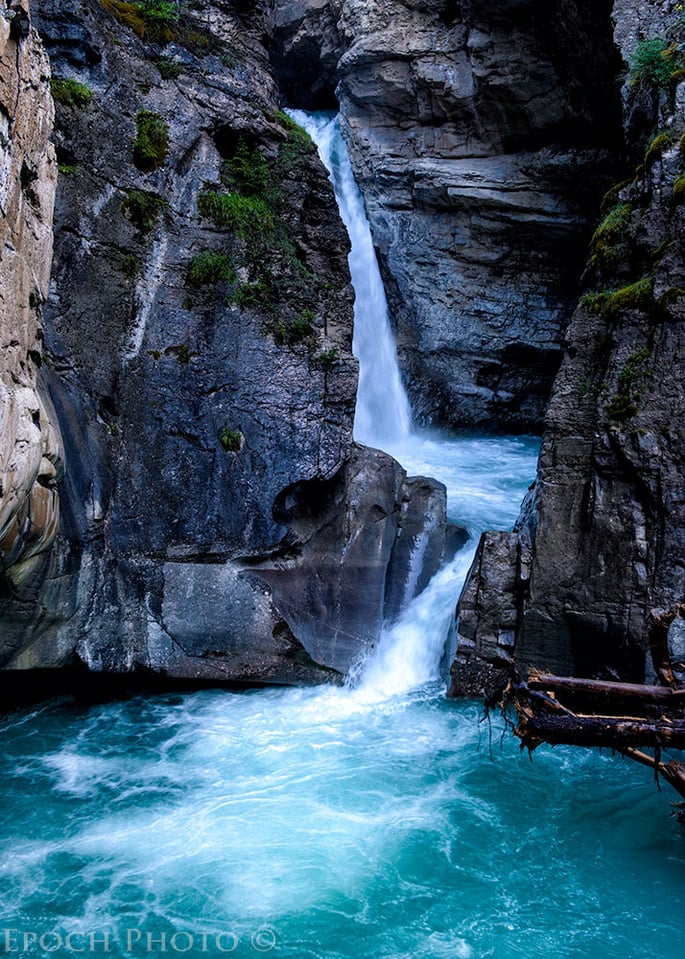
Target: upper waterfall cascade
<point x="382" y="415"/>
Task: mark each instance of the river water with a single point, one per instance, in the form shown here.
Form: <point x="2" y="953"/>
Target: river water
<point x="376" y="820"/>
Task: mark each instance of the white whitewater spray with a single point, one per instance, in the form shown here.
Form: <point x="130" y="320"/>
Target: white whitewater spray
<point x="382" y="414"/>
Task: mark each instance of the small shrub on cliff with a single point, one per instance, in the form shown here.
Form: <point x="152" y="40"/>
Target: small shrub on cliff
<point x="298" y="330"/>
<point x="209" y="268"/>
<point x="248" y="216"/>
<point x="169" y="69"/>
<point x="70" y="93"/>
<point x="609" y="234"/>
<point x="151" y="143"/>
<point x="231" y="440"/>
<point x="143" y="209"/>
<point x="623" y="404"/>
<point x="248" y="172"/>
<point x="155" y="22"/>
<point x="653" y="63"/>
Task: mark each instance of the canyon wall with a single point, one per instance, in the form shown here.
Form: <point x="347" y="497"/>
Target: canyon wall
<point x="218" y="522"/>
<point x="591" y="582"/>
<point x="482" y="136"/>
<point x="30" y="446"/>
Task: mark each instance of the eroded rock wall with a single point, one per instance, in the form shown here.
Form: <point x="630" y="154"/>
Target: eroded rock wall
<point x="30" y="449"/>
<point x="481" y="135"/>
<point x="198" y="339"/>
<point x="592" y="581"/>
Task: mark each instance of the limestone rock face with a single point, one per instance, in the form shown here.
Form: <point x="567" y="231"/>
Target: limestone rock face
<point x="480" y="143"/>
<point x="30" y="448"/>
<point x="606" y="519"/>
<point x="199" y="338"/>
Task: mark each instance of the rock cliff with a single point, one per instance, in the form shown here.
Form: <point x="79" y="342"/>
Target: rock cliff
<point x="481" y="146"/>
<point x="591" y="582"/>
<point x="197" y="339"/>
<point x="30" y="449"/>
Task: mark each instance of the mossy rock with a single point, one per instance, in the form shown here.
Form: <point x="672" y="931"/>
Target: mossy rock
<point x="657" y="148"/>
<point x="209" y="268"/>
<point x="151" y="144"/>
<point x="70" y="93"/>
<point x="635" y="296"/>
<point x="143" y="209"/>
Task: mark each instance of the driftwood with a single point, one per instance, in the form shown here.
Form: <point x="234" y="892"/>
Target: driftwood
<point x="588" y="712"/>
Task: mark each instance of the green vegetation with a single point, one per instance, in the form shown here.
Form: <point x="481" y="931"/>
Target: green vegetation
<point x="169" y="69"/>
<point x="635" y="296"/>
<point x="623" y="404"/>
<point x="259" y="293"/>
<point x="679" y="189"/>
<point x="66" y="169"/>
<point x="656" y="148"/>
<point x="70" y="93"/>
<point x="325" y="359"/>
<point x="248" y="216"/>
<point x="231" y="440"/>
<point x="596" y="302"/>
<point x="297" y="330"/>
<point x="130" y="265"/>
<point x="180" y="351"/>
<point x="160" y="22"/>
<point x="653" y="63"/>
<point x="151" y="143"/>
<point x="297" y="147"/>
<point x="248" y="172"/>
<point x="209" y="268"/>
<point x="607" y="236"/>
<point x="143" y="209"/>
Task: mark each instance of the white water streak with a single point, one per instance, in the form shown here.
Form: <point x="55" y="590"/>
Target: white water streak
<point x="382" y="414"/>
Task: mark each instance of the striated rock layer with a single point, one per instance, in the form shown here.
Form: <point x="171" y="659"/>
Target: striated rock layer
<point x="480" y="134"/>
<point x="30" y="450"/>
<point x="591" y="582"/>
<point x="218" y="522"/>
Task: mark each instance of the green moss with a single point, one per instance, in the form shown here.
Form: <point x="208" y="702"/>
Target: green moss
<point x="70" y="93"/>
<point x="296" y="148"/>
<point x="209" y="268"/>
<point x="611" y="197"/>
<point x="143" y="209"/>
<point x="66" y="169"/>
<point x="679" y="189"/>
<point x="609" y="234"/>
<point x="635" y="296"/>
<point x="231" y="440"/>
<point x="596" y="302"/>
<point x="656" y="148"/>
<point x="151" y="143"/>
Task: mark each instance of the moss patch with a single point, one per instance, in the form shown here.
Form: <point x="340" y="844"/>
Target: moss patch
<point x="209" y="268"/>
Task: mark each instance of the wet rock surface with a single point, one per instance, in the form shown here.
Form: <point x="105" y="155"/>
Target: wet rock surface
<point x="198" y="339"/>
<point x="481" y="147"/>
<point x="606" y="517"/>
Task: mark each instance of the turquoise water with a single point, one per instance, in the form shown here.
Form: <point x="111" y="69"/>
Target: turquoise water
<point x="379" y="821"/>
<point x="328" y="826"/>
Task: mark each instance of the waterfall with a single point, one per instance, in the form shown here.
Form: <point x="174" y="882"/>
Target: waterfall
<point x="410" y="650"/>
<point x="382" y="415"/>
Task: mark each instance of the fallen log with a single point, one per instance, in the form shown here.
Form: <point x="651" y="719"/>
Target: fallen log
<point x="602" y="689"/>
<point x="547" y="711"/>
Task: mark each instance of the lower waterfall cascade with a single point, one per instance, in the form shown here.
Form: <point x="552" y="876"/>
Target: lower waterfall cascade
<point x="378" y="819"/>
